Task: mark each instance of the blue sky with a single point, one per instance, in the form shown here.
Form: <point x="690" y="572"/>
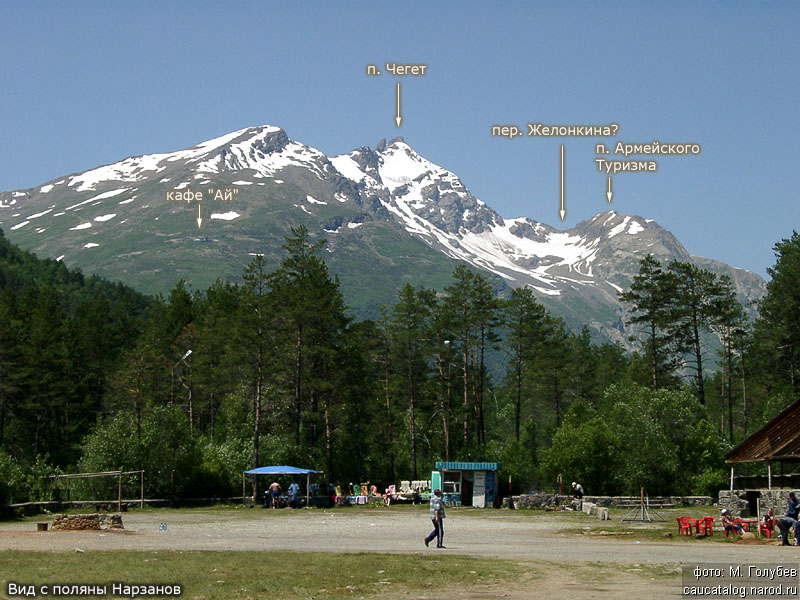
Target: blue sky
<point x="89" y="83"/>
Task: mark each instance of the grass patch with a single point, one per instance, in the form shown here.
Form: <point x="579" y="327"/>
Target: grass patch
<point x="279" y="574"/>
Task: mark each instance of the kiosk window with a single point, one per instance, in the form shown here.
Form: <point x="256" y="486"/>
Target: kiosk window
<point x="451" y="482"/>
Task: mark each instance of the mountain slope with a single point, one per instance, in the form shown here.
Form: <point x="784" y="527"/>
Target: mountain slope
<point x="390" y="216"/>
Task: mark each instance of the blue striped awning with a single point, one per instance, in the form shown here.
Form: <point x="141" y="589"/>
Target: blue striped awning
<point x="467" y="466"/>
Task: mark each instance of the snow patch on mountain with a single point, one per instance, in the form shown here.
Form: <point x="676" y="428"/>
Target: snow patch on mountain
<point x="102" y="196"/>
<point x="348" y="167"/>
<point x="138" y="168"/>
<point x="227" y="216"/>
<point x="81" y="226"/>
<point x="266" y="150"/>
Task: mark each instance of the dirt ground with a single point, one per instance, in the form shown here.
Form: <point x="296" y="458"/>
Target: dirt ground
<point x="563" y="562"/>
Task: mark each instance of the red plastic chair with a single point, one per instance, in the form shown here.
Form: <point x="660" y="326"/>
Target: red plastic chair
<point x="766" y="527"/>
<point x="705" y="526"/>
<point x="684" y="525"/>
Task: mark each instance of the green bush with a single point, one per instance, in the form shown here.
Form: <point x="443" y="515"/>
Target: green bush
<point x="636" y="437"/>
<point x="13" y="480"/>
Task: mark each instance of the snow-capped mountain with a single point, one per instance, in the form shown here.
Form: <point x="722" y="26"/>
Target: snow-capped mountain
<point x="389" y="215"/>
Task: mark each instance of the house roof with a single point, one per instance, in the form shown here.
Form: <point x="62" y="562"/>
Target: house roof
<point x="777" y="440"/>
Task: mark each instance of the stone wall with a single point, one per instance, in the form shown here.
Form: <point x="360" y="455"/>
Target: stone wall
<point x="738" y="501"/>
<point x="83" y="522"/>
<point x="544" y="500"/>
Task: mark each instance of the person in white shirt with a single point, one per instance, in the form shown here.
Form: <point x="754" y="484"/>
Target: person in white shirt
<point x="437" y="516"/>
<point x="577" y="488"/>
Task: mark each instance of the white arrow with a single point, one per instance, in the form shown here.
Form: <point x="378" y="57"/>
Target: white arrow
<point x="398" y="117"/>
<point x="563" y="210"/>
<point x="609" y="191"/>
<point x="199" y="216"/>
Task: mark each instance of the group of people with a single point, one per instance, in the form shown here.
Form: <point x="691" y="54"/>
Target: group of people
<point x="785" y="524"/>
<point x="790" y="520"/>
<point x="273" y="494"/>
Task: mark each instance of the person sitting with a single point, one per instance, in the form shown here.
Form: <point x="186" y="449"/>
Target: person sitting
<point x="577" y="489"/>
<point x="785" y="525"/>
<point x="729" y="524"/>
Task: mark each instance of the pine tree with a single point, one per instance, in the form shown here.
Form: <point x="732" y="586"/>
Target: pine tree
<point x="779" y="310"/>
<point x="651" y="298"/>
<point x="729" y="322"/>
<point x="411" y="332"/>
<point x="255" y="342"/>
<point x="11" y="334"/>
<point x="693" y="313"/>
<point x="524" y="320"/>
<point x="460" y="311"/>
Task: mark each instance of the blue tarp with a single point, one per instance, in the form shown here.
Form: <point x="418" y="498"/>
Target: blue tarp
<point x="280" y="470"/>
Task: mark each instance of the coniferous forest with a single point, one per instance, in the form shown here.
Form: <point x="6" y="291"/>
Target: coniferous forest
<point x="95" y="376"/>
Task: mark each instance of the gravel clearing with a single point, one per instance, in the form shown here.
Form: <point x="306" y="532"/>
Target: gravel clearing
<point x="557" y="543"/>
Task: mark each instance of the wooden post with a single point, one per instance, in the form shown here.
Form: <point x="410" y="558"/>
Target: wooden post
<point x="731" y="477"/>
<point x="242" y="489"/>
<point x="119" y="492"/>
<point x="141" y="489"/>
<point x="308" y="480"/>
<point x="769" y="475"/>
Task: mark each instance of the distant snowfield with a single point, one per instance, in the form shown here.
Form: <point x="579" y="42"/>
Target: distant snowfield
<point x="81" y="226"/>
<point x="91" y="245"/>
<point x="138" y="168"/>
<point x="103" y="218"/>
<point x="228" y="216"/>
<point x="102" y="196"/>
<point x="313" y="200"/>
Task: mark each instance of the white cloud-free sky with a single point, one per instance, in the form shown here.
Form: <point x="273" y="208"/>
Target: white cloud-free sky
<point x="89" y="83"/>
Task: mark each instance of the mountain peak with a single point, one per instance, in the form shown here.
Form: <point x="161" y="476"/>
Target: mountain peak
<point x="114" y="220"/>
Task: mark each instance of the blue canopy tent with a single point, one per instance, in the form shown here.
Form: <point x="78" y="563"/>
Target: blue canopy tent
<point x="278" y="470"/>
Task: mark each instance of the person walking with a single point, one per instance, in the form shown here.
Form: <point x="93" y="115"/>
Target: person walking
<point x="437" y="516"/>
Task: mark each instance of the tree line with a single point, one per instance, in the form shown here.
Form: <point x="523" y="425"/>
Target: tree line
<point x="196" y="387"/>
